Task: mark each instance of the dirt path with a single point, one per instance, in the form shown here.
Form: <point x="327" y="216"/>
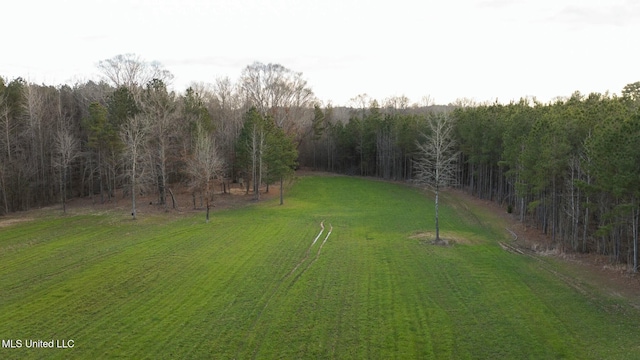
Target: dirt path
<point x="9" y="222"/>
<point x="234" y="196"/>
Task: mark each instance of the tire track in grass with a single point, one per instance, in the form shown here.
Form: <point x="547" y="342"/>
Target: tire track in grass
<point x="572" y="282"/>
<point x="277" y="288"/>
<point x="308" y="251"/>
<point x="317" y="255"/>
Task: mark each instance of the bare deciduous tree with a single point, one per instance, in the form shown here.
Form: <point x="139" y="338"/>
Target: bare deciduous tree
<point x="36" y="111"/>
<point x="132" y="72"/>
<point x="226" y="112"/>
<point x="359" y="103"/>
<point x="252" y="146"/>
<point x="3" y="187"/>
<point x="161" y="108"/>
<point x="427" y="100"/>
<point x="396" y="104"/>
<point x="5" y="144"/>
<point x="204" y="164"/>
<point x="67" y="150"/>
<point x="279" y="92"/>
<point x="7" y="127"/>
<point x="437" y="155"/>
<point x="134" y="133"/>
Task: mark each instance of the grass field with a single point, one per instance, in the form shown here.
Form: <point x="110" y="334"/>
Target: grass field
<point x="250" y="284"/>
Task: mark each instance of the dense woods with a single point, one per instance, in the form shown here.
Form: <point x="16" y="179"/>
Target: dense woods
<point x="130" y="132"/>
<point x="570" y="168"/>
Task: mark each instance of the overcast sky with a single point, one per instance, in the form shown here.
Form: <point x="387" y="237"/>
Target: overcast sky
<point x="479" y="49"/>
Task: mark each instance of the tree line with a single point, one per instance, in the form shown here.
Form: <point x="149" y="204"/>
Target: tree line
<point x="369" y="138"/>
<point x="128" y="131"/>
<point x="570" y="167"/>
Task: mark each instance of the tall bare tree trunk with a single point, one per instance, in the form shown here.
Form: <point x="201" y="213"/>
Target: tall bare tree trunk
<point x="64" y="204"/>
<point x="254" y="162"/>
<point x="436" y="165"/>
<point x="437" y="223"/>
<point x="4" y="189"/>
<point x="173" y="199"/>
<point x="281" y="196"/>
<point x="133" y="134"/>
<point x="206" y="196"/>
<point x="133" y="186"/>
<point x="634" y="220"/>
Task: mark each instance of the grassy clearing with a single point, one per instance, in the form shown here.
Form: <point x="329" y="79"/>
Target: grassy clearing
<point x="180" y="288"/>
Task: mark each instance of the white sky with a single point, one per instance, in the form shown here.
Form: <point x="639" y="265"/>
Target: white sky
<point x="479" y="49"/>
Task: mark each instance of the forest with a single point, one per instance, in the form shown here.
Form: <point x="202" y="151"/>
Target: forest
<point x="570" y="167"/>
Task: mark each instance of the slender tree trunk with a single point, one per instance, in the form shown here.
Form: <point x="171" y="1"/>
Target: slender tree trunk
<point x="254" y="163"/>
<point x="91" y="180"/>
<point x="62" y="192"/>
<point x="585" y="226"/>
<point x="554" y="207"/>
<point x="207" y="200"/>
<point x="4" y="190"/>
<point x="163" y="176"/>
<point x="133" y="188"/>
<point x="114" y="184"/>
<point x="437" y="224"/>
<point x="575" y="209"/>
<point x="471" y="170"/>
<point x="101" y="175"/>
<point x="634" y="213"/>
<point x="490" y="182"/>
<point x="173" y="199"/>
<point x="361" y="154"/>
<point x="7" y="133"/>
<point x="261" y="146"/>
<point x="522" y="209"/>
<point x="109" y="180"/>
<point x="281" y="196"/>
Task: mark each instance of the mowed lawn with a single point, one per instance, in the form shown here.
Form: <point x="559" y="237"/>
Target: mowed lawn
<point x="250" y="284"/>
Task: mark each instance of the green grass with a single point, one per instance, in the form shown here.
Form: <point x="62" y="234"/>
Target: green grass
<point x="180" y="288"/>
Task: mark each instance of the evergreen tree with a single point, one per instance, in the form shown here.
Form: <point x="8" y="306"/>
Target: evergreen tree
<point x="280" y="157"/>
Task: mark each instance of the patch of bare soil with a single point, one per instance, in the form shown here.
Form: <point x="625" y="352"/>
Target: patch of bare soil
<point x="428" y="237"/>
<point x="310" y="172"/>
<point x="9" y="222"/>
<point x="595" y="270"/>
<point x="231" y="196"/>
